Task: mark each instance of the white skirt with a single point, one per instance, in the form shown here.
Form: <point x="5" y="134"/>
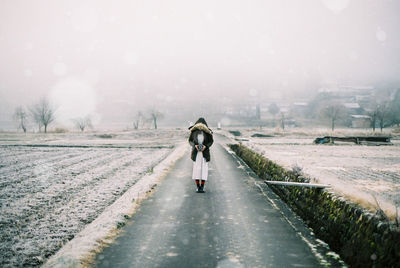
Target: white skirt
<point x="200" y="168"/>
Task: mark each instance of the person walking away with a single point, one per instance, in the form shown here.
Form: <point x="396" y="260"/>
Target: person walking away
<point x="201" y="139"/>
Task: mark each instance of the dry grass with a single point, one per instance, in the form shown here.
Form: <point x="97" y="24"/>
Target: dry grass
<point x="354" y="171"/>
<point x="314" y="131"/>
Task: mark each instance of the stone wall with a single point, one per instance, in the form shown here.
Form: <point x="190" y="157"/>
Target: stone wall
<point x="362" y="239"/>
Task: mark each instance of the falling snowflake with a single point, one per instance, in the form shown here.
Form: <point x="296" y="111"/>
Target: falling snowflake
<point x="253" y="92"/>
<point x="381" y="35"/>
<point x="336" y="5"/>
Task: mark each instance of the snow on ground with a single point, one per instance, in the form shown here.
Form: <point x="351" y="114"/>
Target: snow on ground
<point x="80" y="251"/>
<point x="139" y="138"/>
<point x="357" y="172"/>
<point x="49" y="194"/>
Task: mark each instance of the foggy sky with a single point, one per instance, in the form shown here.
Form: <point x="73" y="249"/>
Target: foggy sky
<point x="96" y="57"/>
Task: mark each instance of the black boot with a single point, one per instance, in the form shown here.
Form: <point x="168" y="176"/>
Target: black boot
<point x="198" y="186"/>
<point x="201" y="189"/>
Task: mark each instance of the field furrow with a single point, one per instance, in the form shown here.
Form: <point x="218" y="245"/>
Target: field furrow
<point x="363" y="174"/>
<point x="23" y="167"/>
<point x="26" y="159"/>
<point x="34" y="190"/>
<point x="52" y="195"/>
<point x="9" y="153"/>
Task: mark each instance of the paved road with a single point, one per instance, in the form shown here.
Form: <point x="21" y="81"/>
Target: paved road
<point x="233" y="224"/>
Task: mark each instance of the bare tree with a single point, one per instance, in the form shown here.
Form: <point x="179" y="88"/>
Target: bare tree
<point x="258" y="112"/>
<point x="83" y="122"/>
<point x="21" y="116"/>
<point x="36" y="118"/>
<point x="43" y="113"/>
<point x="382" y="114"/>
<point x="282" y="121"/>
<point x="137" y="120"/>
<point x="333" y="112"/>
<point x="373" y="114"/>
<point x="395" y="109"/>
<point x="155" y="115"/>
<point x="273" y="109"/>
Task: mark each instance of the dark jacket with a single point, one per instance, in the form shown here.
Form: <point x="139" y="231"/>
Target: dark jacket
<point x="208" y="140"/>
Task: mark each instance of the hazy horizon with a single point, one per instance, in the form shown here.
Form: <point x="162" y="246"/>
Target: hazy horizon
<point x="103" y="58"/>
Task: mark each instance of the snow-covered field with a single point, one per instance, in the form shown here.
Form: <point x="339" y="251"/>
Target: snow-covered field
<point x="52" y="186"/>
<point x="358" y="172"/>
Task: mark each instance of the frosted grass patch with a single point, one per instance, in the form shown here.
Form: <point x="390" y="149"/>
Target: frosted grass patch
<point x="359" y="173"/>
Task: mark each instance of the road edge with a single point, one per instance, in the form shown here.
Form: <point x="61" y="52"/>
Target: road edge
<point x="78" y="251"/>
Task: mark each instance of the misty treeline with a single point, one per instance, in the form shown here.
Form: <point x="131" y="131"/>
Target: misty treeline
<point x="82" y="123"/>
<point x="375" y="109"/>
<point x="141" y="118"/>
<point x="381" y="109"/>
<point x="43" y="114"/>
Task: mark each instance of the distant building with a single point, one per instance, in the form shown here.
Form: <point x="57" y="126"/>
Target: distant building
<point x="299" y="108"/>
<point x="360" y="121"/>
<point x="349" y="94"/>
<point x="353" y="107"/>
